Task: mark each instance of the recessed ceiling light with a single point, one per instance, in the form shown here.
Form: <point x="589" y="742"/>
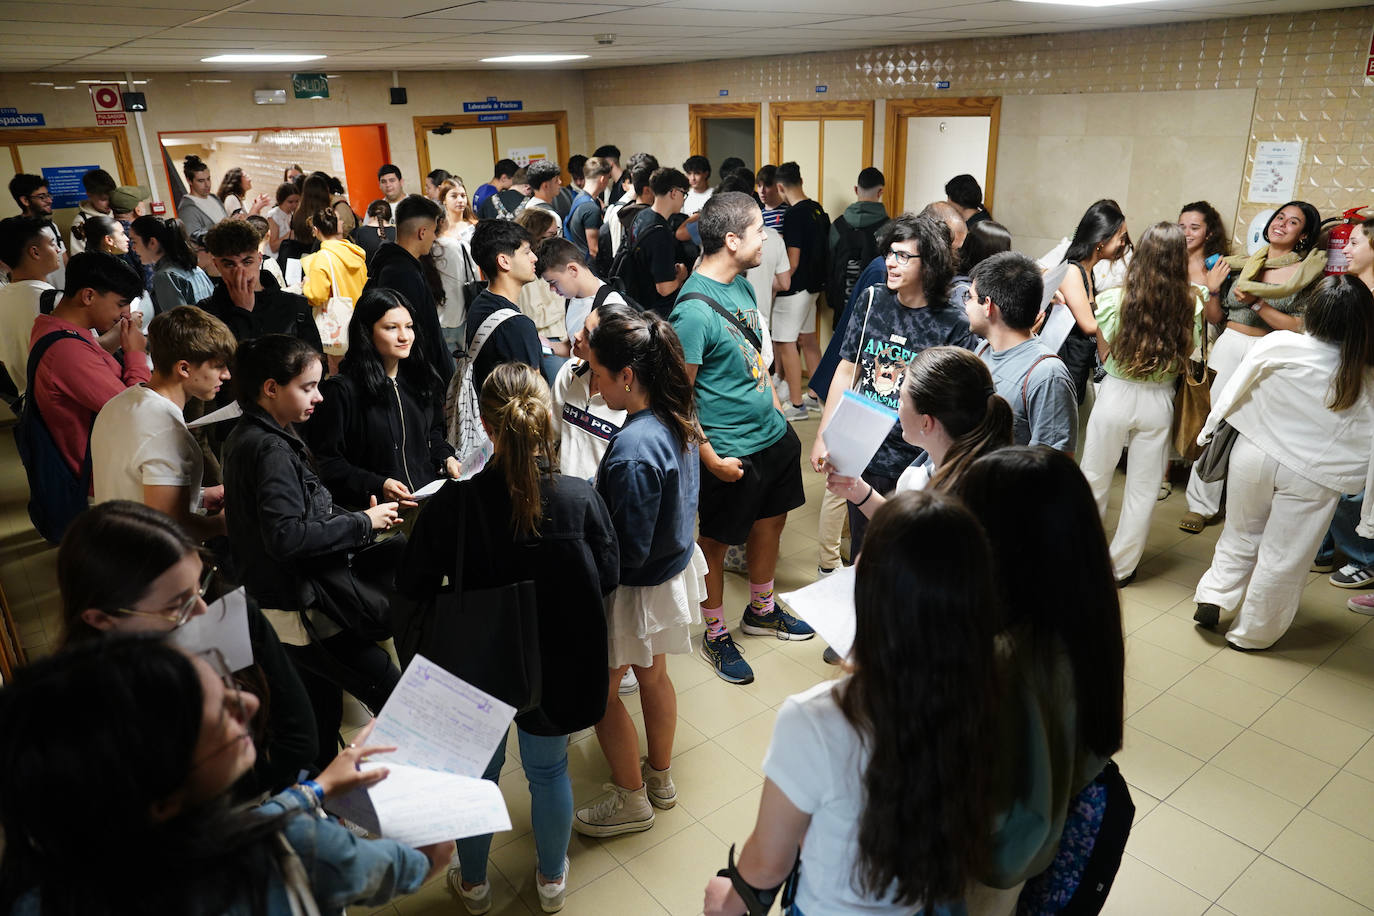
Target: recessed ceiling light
<point x="64" y="87"/>
<point x="533" y="58"/>
<point x="40" y="84"/>
<point x="260" y="58"/>
<point x="212" y="81"/>
<point x="1092" y="3"/>
<point x="99" y="81"/>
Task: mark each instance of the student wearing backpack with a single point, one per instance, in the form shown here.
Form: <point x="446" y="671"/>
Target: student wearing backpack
<point x="649" y="266"/>
<point x="502" y="249"/>
<point x="854" y="237"/>
<point x="1002" y="303"/>
<point x="806" y="230"/>
<point x="584" y="222"/>
<point x="72" y="375"/>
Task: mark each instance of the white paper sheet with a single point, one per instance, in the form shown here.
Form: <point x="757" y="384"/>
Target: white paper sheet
<point x="854" y="433"/>
<point x="828" y="605"/>
<point x="417" y="807"/>
<point x="1052" y="278"/>
<point x="1057" y="327"/>
<point x="441" y="722"/>
<point x="228" y="412"/>
<point x="430" y="488"/>
<point x="293" y="273"/>
<point x="223" y="626"/>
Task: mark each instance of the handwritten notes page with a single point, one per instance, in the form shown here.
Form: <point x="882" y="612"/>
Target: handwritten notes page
<point x="445" y="731"/>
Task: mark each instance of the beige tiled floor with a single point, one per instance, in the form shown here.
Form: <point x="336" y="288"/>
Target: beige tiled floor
<point x="1253" y="774"/>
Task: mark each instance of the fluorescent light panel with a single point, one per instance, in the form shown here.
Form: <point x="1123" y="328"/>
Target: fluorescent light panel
<point x="533" y="58"/>
<point x="260" y="58"/>
<point x="1088" y="3"/>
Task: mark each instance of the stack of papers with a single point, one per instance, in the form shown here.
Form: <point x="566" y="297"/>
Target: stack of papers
<point x="445" y="732"/>
<point x="854" y="433"/>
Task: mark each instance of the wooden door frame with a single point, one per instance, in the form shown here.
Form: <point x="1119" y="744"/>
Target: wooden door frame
<point x="559" y="119"/>
<point x="698" y="115"/>
<point x="781" y="112"/>
<point x="894" y="158"/>
<point x="124" y="157"/>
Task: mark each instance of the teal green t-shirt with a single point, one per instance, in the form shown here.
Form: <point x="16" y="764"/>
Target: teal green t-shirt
<point x="733" y="390"/>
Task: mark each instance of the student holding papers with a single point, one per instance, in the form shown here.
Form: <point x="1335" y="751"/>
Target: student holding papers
<point x="890" y="326"/>
<point x="949" y="409"/>
<point x="650" y="480"/>
<point x="380" y="429"/>
<point x="132" y="747"/>
<point x="523" y="521"/>
<point x="126" y="568"/>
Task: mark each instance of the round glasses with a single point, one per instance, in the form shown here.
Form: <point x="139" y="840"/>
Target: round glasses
<point x="901" y="257"/>
<point x="183" y="612"/>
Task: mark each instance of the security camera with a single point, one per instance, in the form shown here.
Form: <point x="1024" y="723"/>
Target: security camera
<point x="607" y="38"/>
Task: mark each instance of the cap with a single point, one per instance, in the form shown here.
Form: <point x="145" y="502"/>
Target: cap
<point x="126" y="198"/>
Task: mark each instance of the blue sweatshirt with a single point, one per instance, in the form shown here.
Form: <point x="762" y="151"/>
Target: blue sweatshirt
<point x="650" y="486"/>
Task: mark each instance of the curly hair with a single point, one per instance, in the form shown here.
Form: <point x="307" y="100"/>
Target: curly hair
<point x="934" y="246"/>
<point x="1215" y="241"/>
<point x="1158" y="306"/>
<point x="923" y="697"/>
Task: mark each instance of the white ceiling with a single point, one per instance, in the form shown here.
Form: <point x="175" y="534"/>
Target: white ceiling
<point x="173" y="35"/>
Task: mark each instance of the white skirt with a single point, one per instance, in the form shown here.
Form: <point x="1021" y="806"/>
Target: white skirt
<point x="647" y="620"/>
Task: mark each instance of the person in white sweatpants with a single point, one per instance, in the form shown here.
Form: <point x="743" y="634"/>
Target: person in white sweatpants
<point x="1135" y="406"/>
<point x="1303" y="414"/>
<point x="1225" y="357"/>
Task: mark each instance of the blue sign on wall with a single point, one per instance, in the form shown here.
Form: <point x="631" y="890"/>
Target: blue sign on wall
<point x="493" y="117"/>
<point x="822" y="88"/>
<point x="725" y="92"/>
<point x="64" y="182"/>
<point x="491" y="104"/>
<point x="942" y="84"/>
<point x="11" y="117"/>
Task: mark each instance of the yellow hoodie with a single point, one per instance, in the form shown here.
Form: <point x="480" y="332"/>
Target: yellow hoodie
<point x="349" y="265"/>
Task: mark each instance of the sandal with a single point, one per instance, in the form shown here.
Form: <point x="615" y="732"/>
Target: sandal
<point x="1192" y="522"/>
<point x="1166" y="489"/>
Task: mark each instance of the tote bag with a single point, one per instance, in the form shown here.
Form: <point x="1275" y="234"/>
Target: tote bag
<point x="333" y="319"/>
<point x="1192" y="403"/>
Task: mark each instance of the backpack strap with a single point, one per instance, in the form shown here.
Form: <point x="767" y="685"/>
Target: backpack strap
<point x="749" y="333"/>
<point x="27" y="401"/>
<point x="1025" y="382"/>
<point x="487" y="328"/>
<point x="601" y="295"/>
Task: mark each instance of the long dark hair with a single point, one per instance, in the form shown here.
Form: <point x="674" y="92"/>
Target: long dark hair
<point x="1340" y="311"/>
<point x="984" y="240"/>
<point x="934" y="246"/>
<point x="1039" y="514"/>
<point x="922" y="697"/>
<point x="1215" y="242"/>
<point x="363" y="364"/>
<point x="232" y="184"/>
<point x="171" y="235"/>
<point x="648" y="345"/>
<point x="1311" y="225"/>
<point x="315" y="196"/>
<point x="110" y="556"/>
<point x="279" y="357"/>
<point x="517" y="407"/>
<point x="954" y="386"/>
<point x="1098" y="224"/>
<point x="1155" y="331"/>
<point x="133" y="706"/>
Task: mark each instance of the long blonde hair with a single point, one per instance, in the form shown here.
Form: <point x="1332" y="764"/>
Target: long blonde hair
<point x="518" y="410"/>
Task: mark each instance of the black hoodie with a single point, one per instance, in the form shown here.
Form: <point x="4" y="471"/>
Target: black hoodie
<point x="396" y="269"/>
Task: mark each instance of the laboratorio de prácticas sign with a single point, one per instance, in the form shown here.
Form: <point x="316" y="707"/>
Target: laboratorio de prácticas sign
<point x="492" y="104"/>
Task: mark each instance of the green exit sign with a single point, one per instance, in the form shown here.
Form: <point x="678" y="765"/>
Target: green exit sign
<point x="310" y="85"/>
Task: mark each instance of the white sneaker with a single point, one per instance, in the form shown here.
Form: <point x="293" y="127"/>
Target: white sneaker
<point x="629" y="683"/>
<point x="477" y="900"/>
<point x="794" y="412"/>
<point x="618" y="812"/>
<point x="811" y="401"/>
<point x="658" y="785"/>
<point x="552" y="896"/>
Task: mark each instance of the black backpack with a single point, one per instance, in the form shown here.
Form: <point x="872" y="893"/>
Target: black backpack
<point x="631" y="271"/>
<point x="854" y="250"/>
<point x="56" y="495"/>
<point x="818" y="270"/>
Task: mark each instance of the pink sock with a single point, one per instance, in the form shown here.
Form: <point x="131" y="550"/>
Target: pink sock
<point x="761" y="597"/>
<point x="715" y="621"/>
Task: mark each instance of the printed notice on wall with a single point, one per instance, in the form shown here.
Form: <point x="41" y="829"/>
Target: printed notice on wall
<point x="528" y="154"/>
<point x="1275" y="176"/>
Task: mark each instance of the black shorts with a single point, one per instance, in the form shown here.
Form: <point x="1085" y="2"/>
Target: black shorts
<point x="771" y="485"/>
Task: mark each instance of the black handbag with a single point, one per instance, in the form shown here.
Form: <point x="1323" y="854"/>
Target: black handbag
<point x="353" y="589"/>
<point x="489" y="637"/>
<point x="1079" y="351"/>
<point x="473" y="286"/>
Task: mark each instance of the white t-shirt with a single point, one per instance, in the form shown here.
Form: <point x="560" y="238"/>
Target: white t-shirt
<point x="585" y="424"/>
<point x="696" y="200"/>
<point x="58" y="278"/>
<point x="579" y="309"/>
<point x="455" y="269"/>
<point x="232" y="204"/>
<point x="535" y="203"/>
<point x="916" y="476"/>
<point x="283" y="221"/>
<point x="774" y="262"/>
<point x="18" y="309"/>
<point x="140" y="438"/>
<point x="818" y="762"/>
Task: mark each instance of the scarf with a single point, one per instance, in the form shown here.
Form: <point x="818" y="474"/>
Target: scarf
<point x="1312" y="266"/>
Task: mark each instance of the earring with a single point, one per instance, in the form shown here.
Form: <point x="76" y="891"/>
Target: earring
<point x="627" y="387"/>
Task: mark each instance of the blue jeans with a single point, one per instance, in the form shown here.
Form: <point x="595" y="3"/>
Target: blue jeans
<point x="545" y="762"/>
<point x="1341" y="535"/>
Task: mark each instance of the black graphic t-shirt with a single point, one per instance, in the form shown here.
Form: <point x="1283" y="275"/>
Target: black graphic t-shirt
<point x="881" y="340"/>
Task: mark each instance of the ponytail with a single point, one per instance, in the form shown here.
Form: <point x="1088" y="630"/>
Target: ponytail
<point x="171" y="235"/>
<point x="953" y="386"/>
<point x="648" y="345"/>
<point x="518" y="411"/>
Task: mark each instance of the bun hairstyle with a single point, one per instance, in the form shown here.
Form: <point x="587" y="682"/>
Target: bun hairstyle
<point x="954" y="386"/>
<point x="192" y="166"/>
<point x="517" y="408"/>
<point x="648" y="345"/>
<point x="326" y="220"/>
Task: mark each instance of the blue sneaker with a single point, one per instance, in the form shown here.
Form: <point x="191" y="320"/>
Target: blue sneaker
<point x="724" y="656"/>
<point x="779" y="623"/>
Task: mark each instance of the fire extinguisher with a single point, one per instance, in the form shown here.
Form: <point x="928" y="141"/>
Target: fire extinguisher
<point x="1337" y="261"/>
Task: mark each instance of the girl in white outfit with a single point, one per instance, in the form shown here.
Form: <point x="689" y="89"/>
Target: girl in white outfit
<point x="1304" y="415"/>
<point x="1145" y="330"/>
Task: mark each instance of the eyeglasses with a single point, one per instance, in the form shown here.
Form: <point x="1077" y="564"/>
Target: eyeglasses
<point x="233" y="698"/>
<point x="184" y="611"/>
<point x="901" y="257"/>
